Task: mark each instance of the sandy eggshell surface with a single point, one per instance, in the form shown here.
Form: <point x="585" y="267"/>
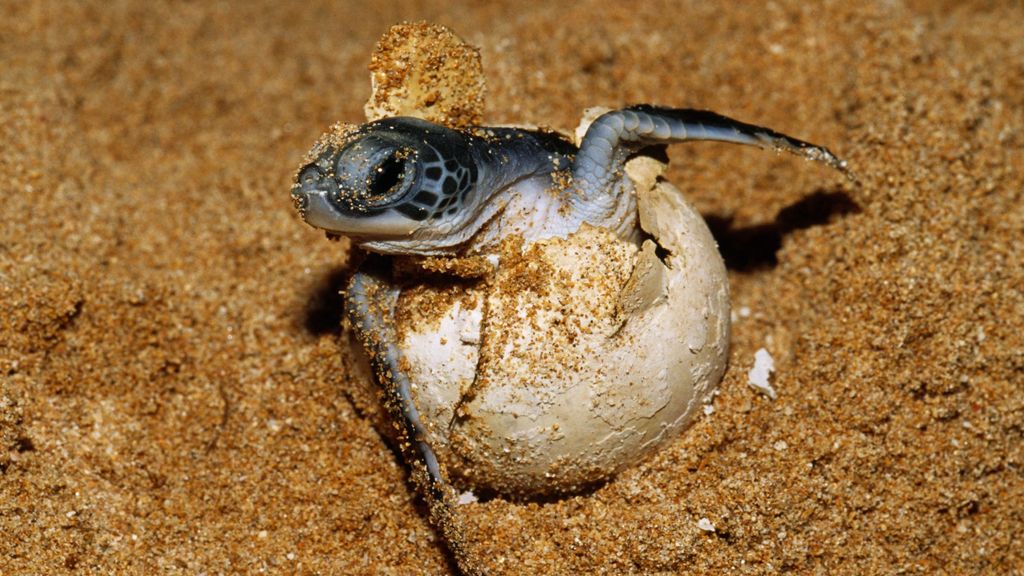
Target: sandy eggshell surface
<point x="427" y="71"/>
<point x="577" y="357"/>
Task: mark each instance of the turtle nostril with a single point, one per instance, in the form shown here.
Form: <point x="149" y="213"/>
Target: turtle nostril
<point x="309" y="179"/>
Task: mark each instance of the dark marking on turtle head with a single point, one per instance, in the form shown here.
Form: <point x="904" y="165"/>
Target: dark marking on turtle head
<point x="389" y="179"/>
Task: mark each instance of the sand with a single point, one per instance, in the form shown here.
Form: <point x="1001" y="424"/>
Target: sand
<point x="172" y="397"/>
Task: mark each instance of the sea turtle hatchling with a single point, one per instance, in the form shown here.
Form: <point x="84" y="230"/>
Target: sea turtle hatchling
<point x="406" y="187"/>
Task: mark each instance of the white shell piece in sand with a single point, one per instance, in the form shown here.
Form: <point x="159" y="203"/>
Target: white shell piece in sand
<point x="757" y="377"/>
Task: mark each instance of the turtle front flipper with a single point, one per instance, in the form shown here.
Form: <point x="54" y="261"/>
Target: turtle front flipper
<point x="370" y="305"/>
<point x="613" y="135"/>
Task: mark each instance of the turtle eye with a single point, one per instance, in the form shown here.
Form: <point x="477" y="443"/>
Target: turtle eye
<point x="386" y="177"/>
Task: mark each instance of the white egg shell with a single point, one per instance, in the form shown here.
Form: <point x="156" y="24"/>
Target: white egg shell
<point x="578" y="357"/>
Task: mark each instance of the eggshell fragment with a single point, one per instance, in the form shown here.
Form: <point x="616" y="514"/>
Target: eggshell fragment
<point x="578" y="357"/>
<point x="427" y="71"/>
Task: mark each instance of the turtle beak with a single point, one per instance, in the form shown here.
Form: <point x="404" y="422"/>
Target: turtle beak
<point x="315" y="209"/>
<point x="312" y="182"/>
<point x="300" y="200"/>
<point x="312" y="196"/>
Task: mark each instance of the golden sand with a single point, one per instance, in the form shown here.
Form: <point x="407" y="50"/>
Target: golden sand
<point x="172" y="391"/>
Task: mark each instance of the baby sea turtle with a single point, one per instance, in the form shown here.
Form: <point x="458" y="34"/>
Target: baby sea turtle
<point x="408" y="186"/>
<point x="403" y="186"/>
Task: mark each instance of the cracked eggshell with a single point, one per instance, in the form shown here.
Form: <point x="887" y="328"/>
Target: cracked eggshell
<point x="427" y="71"/>
<point x="576" y="358"/>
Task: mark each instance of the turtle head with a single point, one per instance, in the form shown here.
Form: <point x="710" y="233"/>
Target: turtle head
<point x="403" y="182"/>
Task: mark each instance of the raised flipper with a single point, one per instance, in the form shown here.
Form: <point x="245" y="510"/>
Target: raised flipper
<point x="615" y="134"/>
